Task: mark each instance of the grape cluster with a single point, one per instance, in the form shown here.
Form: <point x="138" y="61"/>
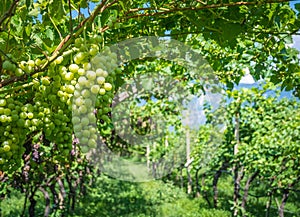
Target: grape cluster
<point x="73" y="95"/>
<point x="93" y="95"/>
<point x="14" y="117"/>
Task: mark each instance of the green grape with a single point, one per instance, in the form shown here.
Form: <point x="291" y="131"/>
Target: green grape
<point x="73" y="68"/>
<point x="2" y="102"/>
<point x="86" y="93"/>
<point x="19" y="72"/>
<point x="30" y="115"/>
<point x="82" y="81"/>
<point x="87" y="66"/>
<point x="31" y="63"/>
<point x="100" y="80"/>
<point x="69" y="76"/>
<point x="91" y="75"/>
<point x="92" y="143"/>
<point x="82" y="109"/>
<point x="88" y="102"/>
<point x="70" y="89"/>
<point x="95" y="89"/>
<point x="6" y="148"/>
<point x="45" y="81"/>
<point x="107" y="86"/>
<point x="81" y="71"/>
<point x="102" y="91"/>
<point x="84" y="121"/>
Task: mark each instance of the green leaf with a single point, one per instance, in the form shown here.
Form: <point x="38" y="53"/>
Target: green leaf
<point x="28" y="30"/>
<point x="297" y="6"/>
<point x="49" y="33"/>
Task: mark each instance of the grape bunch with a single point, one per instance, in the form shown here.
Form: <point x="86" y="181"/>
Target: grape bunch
<point x="69" y="100"/>
<point x="14" y="117"/>
<point x="93" y="95"/>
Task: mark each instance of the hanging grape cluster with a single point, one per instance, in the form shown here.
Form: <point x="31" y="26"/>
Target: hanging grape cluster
<point x="73" y="95"/>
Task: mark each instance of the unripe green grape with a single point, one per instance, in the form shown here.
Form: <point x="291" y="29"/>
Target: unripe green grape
<point x="69" y="76"/>
<point x="21" y="123"/>
<point x="88" y="102"/>
<point x="6" y="133"/>
<point x="82" y="81"/>
<point x="79" y="101"/>
<point x="60" y="93"/>
<point x="28" y="69"/>
<point x="101" y="73"/>
<point x="100" y="80"/>
<point x="35" y="122"/>
<point x="86" y="133"/>
<point x="19" y="72"/>
<point x="73" y="68"/>
<point x="22" y="65"/>
<point x="92" y="118"/>
<point x="107" y="86"/>
<point x="30" y="115"/>
<point x="3" y="118"/>
<point x="7" y="65"/>
<point x="38" y="62"/>
<point x="95" y="89"/>
<point x="8" y="119"/>
<point x="98" y="38"/>
<point x="79" y="42"/>
<point x="82" y="109"/>
<point x="91" y="75"/>
<point x="105" y="110"/>
<point x="45" y="81"/>
<point x="93" y="51"/>
<point x="85" y="93"/>
<point x="47" y="111"/>
<point x="87" y="66"/>
<point x="27" y="123"/>
<point x="94" y="136"/>
<point x="59" y="60"/>
<point x="67" y="138"/>
<point x="74" y="82"/>
<point x="70" y="89"/>
<point x="80" y="56"/>
<point x="7" y="111"/>
<point x="3" y="102"/>
<point x="84" y="121"/>
<point x="102" y="91"/>
<point x="85" y="149"/>
<point x="64" y="98"/>
<point x="31" y="63"/>
<point x="77" y="60"/>
<point x="62" y="69"/>
<point x="6" y="148"/>
<point x="75" y="120"/>
<point x="47" y="120"/>
<point x="92" y="143"/>
<point x="105" y="118"/>
<point x="81" y="71"/>
<point x="14" y="117"/>
<point x="83" y="140"/>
